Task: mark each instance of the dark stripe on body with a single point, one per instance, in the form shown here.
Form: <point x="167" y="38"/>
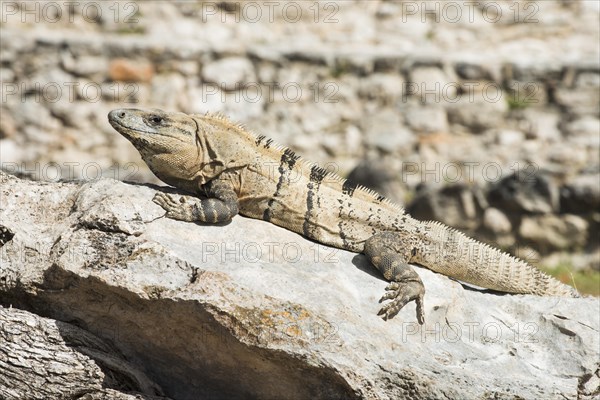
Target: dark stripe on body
<point x="341" y="230"/>
<point x="349" y="187"/>
<point x="286" y="164"/>
<point x="317" y="174"/>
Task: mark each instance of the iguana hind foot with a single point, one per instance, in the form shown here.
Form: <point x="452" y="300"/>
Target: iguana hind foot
<point x="383" y="251"/>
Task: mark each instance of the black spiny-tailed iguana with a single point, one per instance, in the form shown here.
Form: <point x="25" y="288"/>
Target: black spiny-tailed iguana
<point x="224" y="169"/>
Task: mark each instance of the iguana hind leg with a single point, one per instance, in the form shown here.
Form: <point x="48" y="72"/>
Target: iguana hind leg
<point x="385" y="251"/>
<point x="220" y="206"/>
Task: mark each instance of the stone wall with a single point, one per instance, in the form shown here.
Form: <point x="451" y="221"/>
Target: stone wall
<point x="441" y="105"/>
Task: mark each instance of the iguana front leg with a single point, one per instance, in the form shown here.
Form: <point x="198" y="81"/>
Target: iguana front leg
<point x="220" y="206"/>
<point x="386" y="253"/>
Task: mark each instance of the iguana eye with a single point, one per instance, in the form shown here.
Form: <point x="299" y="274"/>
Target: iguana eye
<point x="156" y="120"/>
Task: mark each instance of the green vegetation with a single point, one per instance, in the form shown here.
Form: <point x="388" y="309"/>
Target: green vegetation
<point x="587" y="282"/>
<point x="516" y="102"/>
<point x="340" y="68"/>
<point x="131" y="30"/>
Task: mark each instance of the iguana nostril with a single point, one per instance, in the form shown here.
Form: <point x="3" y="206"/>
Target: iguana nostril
<point x="122" y="114"/>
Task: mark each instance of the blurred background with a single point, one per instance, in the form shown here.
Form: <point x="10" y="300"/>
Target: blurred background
<point x="483" y="115"/>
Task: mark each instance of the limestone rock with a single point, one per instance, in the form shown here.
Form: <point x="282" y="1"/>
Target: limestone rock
<point x="250" y="310"/>
<point x="426" y="119"/>
<point x="455" y="205"/>
<point x="496" y="221"/>
<point x="384" y="132"/>
<point x="431" y="85"/>
<point x="229" y="73"/>
<point x="585" y="131"/>
<point x="46" y="359"/>
<point x="479" y="114"/>
<point x="383" y="86"/>
<point x="542" y="125"/>
<point x="122" y="69"/>
<point x="581" y="194"/>
<point x="527" y="190"/>
<point x="551" y="231"/>
<point x="377" y="175"/>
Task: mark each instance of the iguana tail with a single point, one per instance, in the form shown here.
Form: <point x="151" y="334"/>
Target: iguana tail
<point x="451" y="253"/>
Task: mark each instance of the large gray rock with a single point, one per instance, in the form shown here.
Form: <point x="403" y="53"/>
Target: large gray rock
<point x="555" y="231"/>
<point x="250" y="310"/>
<point x="581" y="194"/>
<point x="526" y="191"/>
<point x="230" y="73"/>
<point x="45" y="359"/>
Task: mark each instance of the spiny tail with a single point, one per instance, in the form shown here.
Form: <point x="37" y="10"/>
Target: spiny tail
<point x="470" y="261"/>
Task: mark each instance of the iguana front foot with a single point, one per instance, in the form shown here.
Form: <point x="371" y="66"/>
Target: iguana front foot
<point x="220" y="206"/>
<point x="183" y="208"/>
<point x="391" y="256"/>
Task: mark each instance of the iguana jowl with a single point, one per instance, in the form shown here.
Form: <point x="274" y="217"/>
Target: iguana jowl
<point x="228" y="170"/>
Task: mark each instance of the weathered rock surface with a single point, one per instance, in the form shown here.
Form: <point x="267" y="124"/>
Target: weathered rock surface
<point x="45" y="359"/>
<point x="250" y="310"/>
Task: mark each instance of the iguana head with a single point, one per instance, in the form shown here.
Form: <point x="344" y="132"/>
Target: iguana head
<point x="172" y="144"/>
<point x="154" y="130"/>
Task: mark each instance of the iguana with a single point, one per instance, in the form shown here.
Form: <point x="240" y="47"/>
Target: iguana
<point x="226" y="170"/>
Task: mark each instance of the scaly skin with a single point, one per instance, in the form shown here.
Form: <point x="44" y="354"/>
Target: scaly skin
<point x="228" y="170"/>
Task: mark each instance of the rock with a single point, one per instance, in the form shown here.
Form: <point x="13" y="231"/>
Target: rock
<point x="541" y="125"/>
<point x="229" y="73"/>
<point x="584" y="131"/>
<point x="378" y="176"/>
<point x="587" y="80"/>
<point x="554" y="232"/>
<point x="125" y="70"/>
<point x="478" y="115"/>
<point x="252" y="310"/>
<point x="386" y="87"/>
<point x="426" y="119"/>
<point x="455" y="205"/>
<point x="169" y="90"/>
<point x="579" y="101"/>
<point x="431" y="85"/>
<point x="353" y="139"/>
<point x="586" y="262"/>
<point x="7" y="126"/>
<point x="472" y="72"/>
<point x="496" y="221"/>
<point x="93" y="67"/>
<point x="527" y="191"/>
<point x="11" y="155"/>
<point x="581" y="195"/>
<point x="509" y="137"/>
<point x="66" y="359"/>
<point x="385" y="132"/>
<point x="576" y="156"/>
<point x="8" y="75"/>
